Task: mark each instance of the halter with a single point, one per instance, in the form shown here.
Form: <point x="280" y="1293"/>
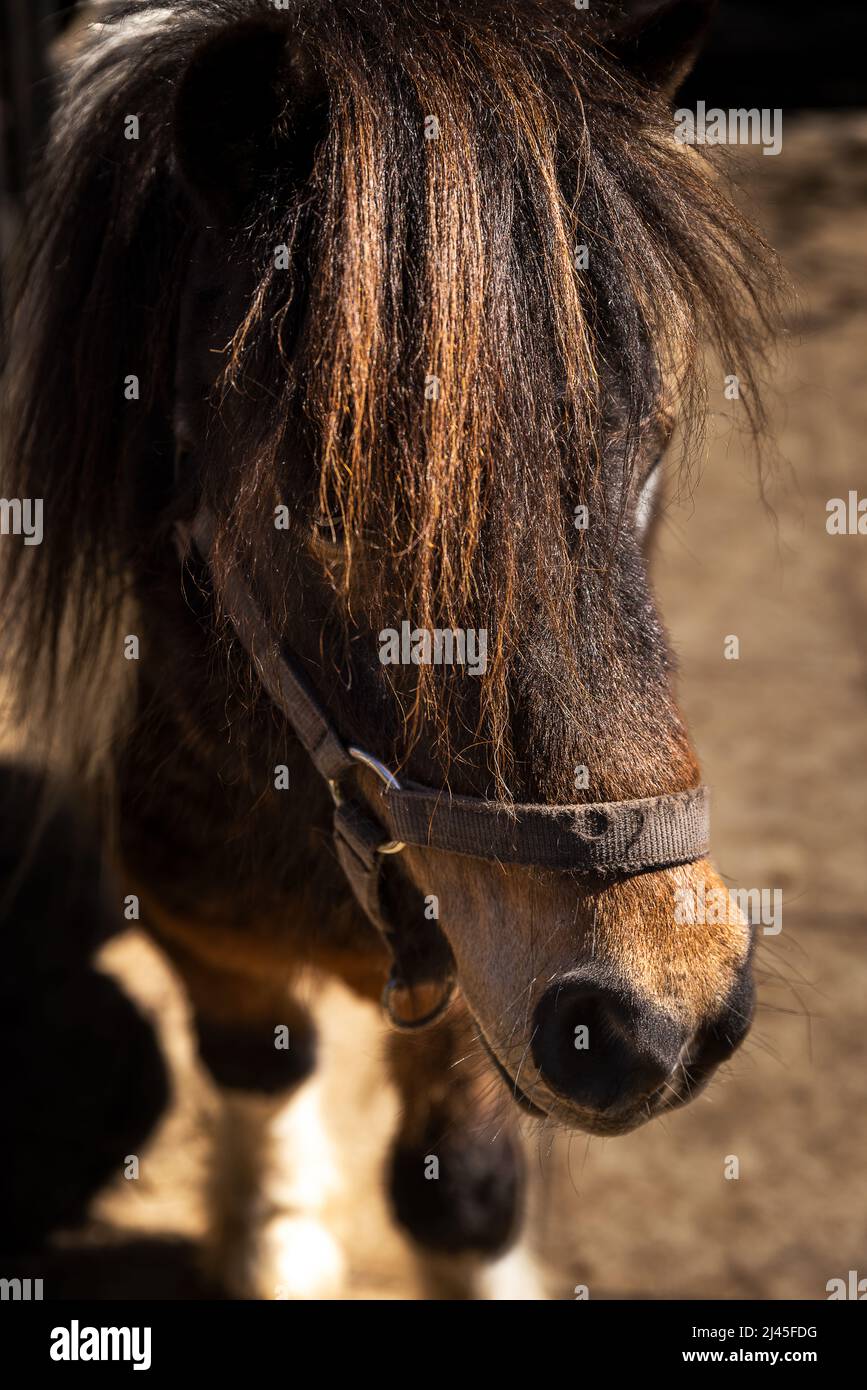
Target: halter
<point x="605" y="838"/>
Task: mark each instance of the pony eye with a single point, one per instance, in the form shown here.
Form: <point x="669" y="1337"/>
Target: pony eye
<point x="328" y="534"/>
<point x="183" y="463"/>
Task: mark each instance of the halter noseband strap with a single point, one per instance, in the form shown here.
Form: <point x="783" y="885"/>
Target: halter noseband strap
<point x="608" y="838"/>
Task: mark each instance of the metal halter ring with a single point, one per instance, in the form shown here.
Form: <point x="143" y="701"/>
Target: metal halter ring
<point x="388" y="780"/>
<point x="415" y="1025"/>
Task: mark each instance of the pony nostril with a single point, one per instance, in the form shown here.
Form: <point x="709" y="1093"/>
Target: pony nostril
<point x="601" y="1047"/>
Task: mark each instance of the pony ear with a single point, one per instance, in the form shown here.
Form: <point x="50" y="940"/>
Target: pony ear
<point x="249" y="108"/>
<point x="659" y="40"/>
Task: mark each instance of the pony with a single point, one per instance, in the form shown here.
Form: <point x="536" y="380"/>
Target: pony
<point x="411" y="296"/>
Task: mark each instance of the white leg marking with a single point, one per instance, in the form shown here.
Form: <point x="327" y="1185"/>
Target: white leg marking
<point x="515" y="1277"/>
<point x="275" y="1180"/>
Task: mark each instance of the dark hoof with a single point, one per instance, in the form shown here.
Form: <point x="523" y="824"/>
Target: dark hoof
<point x="246" y="1059"/>
<point x="473" y="1206"/>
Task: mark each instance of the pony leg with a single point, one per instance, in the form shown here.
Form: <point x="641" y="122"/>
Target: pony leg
<point x="457" y="1173"/>
<point x="273" y="1181"/>
<point x="274" y="1171"/>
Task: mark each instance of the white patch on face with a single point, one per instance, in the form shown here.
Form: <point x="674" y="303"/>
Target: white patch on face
<point x="146" y="19"/>
<point x="646" y="504"/>
<point x="105" y="60"/>
<point x="134" y="26"/>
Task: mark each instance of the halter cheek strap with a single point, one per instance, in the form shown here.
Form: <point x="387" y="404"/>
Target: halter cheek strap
<point x="606" y="838"/>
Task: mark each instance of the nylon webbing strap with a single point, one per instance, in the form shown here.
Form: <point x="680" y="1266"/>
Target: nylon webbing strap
<point x="288" y="692"/>
<point x="625" y="836"/>
<point x="356" y="838"/>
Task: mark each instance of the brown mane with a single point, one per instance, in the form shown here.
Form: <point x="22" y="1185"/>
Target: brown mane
<point x="450" y="258"/>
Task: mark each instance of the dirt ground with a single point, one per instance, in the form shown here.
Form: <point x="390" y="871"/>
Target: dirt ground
<point x="783" y="736"/>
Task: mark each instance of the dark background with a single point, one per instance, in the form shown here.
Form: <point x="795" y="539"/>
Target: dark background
<point x="796" y="53"/>
<point x="788" y="53"/>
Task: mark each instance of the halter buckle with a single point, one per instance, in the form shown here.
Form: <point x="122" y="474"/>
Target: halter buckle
<point x="403" y="1024"/>
<point x="388" y="780"/>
